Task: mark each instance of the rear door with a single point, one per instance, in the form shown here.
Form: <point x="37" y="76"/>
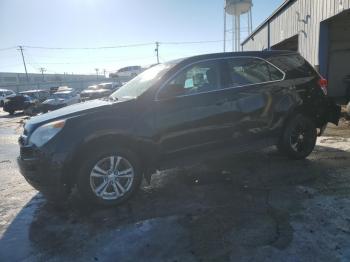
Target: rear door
<point x="255" y="87"/>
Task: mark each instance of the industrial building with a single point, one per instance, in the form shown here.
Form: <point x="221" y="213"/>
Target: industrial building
<point x="20" y="82"/>
<point x="319" y="30"/>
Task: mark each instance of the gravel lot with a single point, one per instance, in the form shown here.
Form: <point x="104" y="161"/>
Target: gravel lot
<point x="252" y="207"/>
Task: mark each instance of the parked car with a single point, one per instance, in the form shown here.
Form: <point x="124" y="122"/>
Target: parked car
<point x="98" y="91"/>
<point x="37" y="95"/>
<point x="53" y="89"/>
<point x="127" y="73"/>
<point x="18" y="103"/>
<point x="4" y="93"/>
<point x="60" y="99"/>
<point x="177" y="113"/>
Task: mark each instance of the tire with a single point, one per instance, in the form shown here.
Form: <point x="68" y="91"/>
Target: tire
<point x="299" y="137"/>
<point x="90" y="179"/>
<point x="11" y="112"/>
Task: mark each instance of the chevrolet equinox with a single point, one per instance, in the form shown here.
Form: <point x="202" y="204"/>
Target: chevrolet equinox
<point x="176" y="113"/>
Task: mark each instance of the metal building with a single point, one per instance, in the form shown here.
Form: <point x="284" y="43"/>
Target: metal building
<point x="319" y="30"/>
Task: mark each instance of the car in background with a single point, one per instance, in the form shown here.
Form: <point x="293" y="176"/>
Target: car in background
<point x="4" y="93"/>
<point x="26" y="101"/>
<point x="64" y="97"/>
<point x="37" y="95"/>
<point x="53" y="89"/>
<point x="98" y="91"/>
<point x="125" y="74"/>
<point x="19" y="102"/>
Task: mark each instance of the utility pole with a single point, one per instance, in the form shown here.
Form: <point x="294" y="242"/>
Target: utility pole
<point x="42" y="70"/>
<point x="157" y="51"/>
<point x="225" y="29"/>
<point x="24" y="62"/>
<point x="104" y="72"/>
<point x="96" y="69"/>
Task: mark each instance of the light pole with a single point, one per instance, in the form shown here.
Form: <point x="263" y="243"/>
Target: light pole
<point x="96" y="69"/>
<point x="157" y="51"/>
<point x="42" y="70"/>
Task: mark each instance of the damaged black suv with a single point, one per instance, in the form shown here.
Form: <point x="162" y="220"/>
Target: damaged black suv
<point x="176" y="113"/>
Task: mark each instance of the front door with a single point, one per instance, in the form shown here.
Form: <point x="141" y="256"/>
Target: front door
<point x="189" y="109"/>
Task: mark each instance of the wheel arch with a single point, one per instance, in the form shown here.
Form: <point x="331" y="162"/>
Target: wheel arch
<point x="307" y="111"/>
<point x="137" y="146"/>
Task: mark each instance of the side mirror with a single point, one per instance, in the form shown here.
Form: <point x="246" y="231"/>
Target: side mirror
<point x="172" y="91"/>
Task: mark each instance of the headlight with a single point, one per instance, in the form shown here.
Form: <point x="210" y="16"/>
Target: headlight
<point x="46" y="132"/>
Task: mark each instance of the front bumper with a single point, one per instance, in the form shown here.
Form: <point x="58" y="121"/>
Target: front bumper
<point x="42" y="173"/>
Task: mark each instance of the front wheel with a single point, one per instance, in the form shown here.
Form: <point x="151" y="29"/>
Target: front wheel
<point x="299" y="137"/>
<point x="109" y="177"/>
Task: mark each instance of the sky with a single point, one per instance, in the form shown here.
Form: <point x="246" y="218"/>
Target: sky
<point x="104" y="23"/>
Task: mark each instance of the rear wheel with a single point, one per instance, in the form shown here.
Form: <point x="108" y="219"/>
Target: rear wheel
<point x="109" y="177"/>
<point x="299" y="138"/>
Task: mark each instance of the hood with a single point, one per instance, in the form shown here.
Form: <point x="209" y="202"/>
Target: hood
<point x="67" y="112"/>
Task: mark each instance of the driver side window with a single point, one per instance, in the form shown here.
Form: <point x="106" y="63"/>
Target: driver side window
<point x="198" y="78"/>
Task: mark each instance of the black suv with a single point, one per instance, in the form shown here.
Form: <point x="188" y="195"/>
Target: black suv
<point x="176" y="113"/>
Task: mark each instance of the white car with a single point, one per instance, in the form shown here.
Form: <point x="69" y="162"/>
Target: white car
<point x="4" y="93"/>
<point x="127" y="73"/>
<point x="61" y="99"/>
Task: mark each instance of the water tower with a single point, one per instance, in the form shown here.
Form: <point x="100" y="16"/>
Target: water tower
<point x="235" y="9"/>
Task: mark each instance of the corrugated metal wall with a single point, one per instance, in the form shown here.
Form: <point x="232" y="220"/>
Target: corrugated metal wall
<point x="259" y="41"/>
<point x="301" y="18"/>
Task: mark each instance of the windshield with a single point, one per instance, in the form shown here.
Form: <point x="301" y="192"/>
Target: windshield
<point x="92" y="87"/>
<point x="141" y="83"/>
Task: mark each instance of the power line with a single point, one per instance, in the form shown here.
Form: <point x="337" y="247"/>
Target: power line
<point x="123" y="46"/>
<point x="92" y="61"/>
<point x="88" y="48"/>
<point x="191" y="42"/>
<point x="8" y="48"/>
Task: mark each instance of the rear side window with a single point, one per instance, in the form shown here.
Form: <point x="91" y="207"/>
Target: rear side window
<point x="293" y="65"/>
<point x="248" y="71"/>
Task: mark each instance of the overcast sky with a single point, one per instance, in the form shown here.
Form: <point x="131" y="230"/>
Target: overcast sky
<point x="97" y="23"/>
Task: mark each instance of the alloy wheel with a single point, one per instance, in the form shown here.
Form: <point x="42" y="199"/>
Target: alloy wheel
<point x="112" y="177"/>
